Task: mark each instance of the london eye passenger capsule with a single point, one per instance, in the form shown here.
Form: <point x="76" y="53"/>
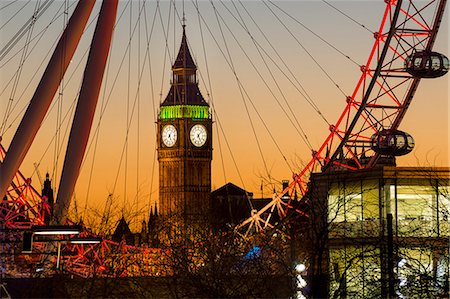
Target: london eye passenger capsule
<point x="392" y="143"/>
<point x="425" y="64"/>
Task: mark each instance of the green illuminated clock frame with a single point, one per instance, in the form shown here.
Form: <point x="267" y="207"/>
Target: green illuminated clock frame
<point x="184" y="111"/>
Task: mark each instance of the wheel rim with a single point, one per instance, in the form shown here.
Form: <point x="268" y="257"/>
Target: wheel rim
<point x="379" y="102"/>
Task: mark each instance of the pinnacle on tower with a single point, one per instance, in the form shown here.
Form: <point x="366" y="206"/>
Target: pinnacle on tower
<point x="184" y="58"/>
<point x="184" y="86"/>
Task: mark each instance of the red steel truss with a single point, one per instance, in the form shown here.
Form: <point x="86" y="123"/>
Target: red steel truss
<point x="379" y="101"/>
<point x="22" y="206"/>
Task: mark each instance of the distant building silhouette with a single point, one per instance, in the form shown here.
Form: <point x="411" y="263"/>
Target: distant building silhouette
<point x="230" y="204"/>
<point x="153" y="228"/>
<point x="47" y="192"/>
<point x="123" y="232"/>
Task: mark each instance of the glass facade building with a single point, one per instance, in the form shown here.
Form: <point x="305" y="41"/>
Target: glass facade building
<point x="388" y="232"/>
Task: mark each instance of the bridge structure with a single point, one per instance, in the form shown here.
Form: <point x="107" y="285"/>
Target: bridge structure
<point x="366" y="131"/>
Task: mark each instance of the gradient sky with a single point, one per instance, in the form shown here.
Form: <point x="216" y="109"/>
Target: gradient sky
<point x="126" y="167"/>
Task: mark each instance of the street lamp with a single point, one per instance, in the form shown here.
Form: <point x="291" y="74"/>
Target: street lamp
<point x="301" y="283"/>
<point x="88" y="240"/>
<point x="49" y="230"/>
<point x="56" y="230"/>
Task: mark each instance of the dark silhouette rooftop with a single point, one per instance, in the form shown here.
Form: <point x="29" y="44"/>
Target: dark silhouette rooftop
<point x="184" y="87"/>
<point x="184" y="58"/>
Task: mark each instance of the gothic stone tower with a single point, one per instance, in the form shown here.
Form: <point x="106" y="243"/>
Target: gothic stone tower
<point x="184" y="145"/>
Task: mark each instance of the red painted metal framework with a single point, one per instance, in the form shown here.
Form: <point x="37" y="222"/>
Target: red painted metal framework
<point x="24" y="207"/>
<point x="379" y="101"/>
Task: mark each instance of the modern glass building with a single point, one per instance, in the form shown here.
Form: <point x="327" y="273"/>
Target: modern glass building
<point x="387" y="232"/>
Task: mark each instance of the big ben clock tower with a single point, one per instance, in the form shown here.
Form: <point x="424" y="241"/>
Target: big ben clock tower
<point x="184" y="145"/>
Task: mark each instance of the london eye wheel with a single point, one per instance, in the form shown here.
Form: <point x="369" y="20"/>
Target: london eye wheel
<point x="368" y="128"/>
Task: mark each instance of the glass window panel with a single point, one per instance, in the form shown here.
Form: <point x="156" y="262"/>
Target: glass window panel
<point x="444" y="210"/>
<point x="417" y="62"/>
<point x="400" y="141"/>
<point x="416" y="209"/>
<point x="371" y="199"/>
<point x="414" y="201"/>
<point x="435" y="62"/>
<point x="353" y="204"/>
<point x="415" y="272"/>
<point x="336" y="212"/>
<point x="446" y="63"/>
<point x="356" y="269"/>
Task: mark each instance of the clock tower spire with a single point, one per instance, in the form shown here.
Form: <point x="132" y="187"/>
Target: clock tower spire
<point x="184" y="146"/>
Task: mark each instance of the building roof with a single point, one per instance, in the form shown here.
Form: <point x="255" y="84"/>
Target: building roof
<point x="184" y="89"/>
<point x="232" y="204"/>
<point x="386" y="172"/>
<point x="184" y="95"/>
<point x="184" y="57"/>
<point x="230" y="189"/>
<point x="122" y="230"/>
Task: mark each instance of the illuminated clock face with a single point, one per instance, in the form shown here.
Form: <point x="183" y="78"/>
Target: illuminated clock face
<point x="198" y="135"/>
<point x="169" y="135"/>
